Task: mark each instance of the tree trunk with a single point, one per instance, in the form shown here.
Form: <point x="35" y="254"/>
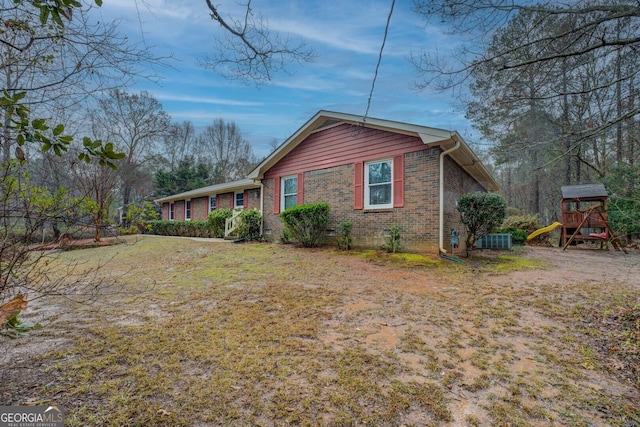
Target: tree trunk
<point x="566" y="128"/>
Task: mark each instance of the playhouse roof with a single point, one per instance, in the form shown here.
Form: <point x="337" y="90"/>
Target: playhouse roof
<point x="585" y="191"/>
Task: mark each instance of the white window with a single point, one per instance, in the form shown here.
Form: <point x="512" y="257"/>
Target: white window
<point x="187" y="210"/>
<point x="212" y="203"/>
<point x="172" y="211"/>
<point x="289" y="190"/>
<point x="239" y="200"/>
<point x="378" y="184"/>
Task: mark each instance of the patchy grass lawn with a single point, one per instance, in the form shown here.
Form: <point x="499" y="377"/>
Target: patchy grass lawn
<point x="256" y="334"/>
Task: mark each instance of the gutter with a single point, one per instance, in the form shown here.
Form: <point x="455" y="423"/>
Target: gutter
<point x="441" y="221"/>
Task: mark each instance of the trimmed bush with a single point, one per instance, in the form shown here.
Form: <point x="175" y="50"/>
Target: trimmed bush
<point x="250" y="221"/>
<point x="179" y="228"/>
<point x="285" y="236"/>
<point x="306" y="223"/>
<point x="217" y="220"/>
<point x="481" y="213"/>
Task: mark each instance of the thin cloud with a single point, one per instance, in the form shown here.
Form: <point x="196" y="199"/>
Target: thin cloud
<point x="164" y="96"/>
<point x="334" y="36"/>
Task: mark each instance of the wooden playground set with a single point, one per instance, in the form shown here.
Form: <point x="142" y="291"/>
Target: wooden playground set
<point x="584" y="218"/>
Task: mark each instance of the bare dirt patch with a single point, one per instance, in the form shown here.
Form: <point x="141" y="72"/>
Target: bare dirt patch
<point x="271" y="335"/>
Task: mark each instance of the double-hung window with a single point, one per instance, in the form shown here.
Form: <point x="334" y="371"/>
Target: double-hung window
<point x="239" y="200"/>
<point x="172" y="212"/>
<point x="212" y="203"/>
<point x="378" y="183"/>
<point x="289" y="188"/>
<point x="187" y="210"/>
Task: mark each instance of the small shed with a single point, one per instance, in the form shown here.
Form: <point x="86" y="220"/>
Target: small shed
<point x="584" y="216"/>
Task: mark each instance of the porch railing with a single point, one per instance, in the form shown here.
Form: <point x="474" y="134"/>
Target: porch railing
<point x="231" y="224"/>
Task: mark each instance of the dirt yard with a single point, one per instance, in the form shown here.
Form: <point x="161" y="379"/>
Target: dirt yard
<point x="224" y="334"/>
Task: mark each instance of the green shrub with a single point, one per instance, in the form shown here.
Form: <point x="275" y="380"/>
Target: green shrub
<point x="306" y="223"/>
<point x="250" y="224"/>
<point x="179" y="228"/>
<point x="132" y="229"/>
<point x="528" y="223"/>
<point x="518" y="236"/>
<point x="344" y="235"/>
<point x="217" y="220"/>
<point x="393" y="244"/>
<point x="138" y="217"/>
<point x="624" y="216"/>
<point x="285" y="236"/>
<point x="158" y="227"/>
<point x="481" y="213"/>
<point x="624" y="204"/>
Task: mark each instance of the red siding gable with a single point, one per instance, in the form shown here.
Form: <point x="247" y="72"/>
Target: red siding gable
<point x="341" y="145"/>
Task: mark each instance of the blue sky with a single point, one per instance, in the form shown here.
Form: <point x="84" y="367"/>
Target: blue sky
<point x="345" y="34"/>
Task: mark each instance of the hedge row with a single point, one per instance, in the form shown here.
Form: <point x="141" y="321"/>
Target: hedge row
<point x="214" y="226"/>
<point x="180" y="228"/>
<point x="217" y="220"/>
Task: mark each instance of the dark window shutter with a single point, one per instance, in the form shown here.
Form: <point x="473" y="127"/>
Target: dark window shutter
<point x="276" y="195"/>
<point x="398" y="181"/>
<point x="300" y="195"/>
<point x="358" y="186"/>
<point x="245" y="199"/>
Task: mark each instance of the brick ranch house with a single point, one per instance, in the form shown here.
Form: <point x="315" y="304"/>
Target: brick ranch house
<point x="374" y="173"/>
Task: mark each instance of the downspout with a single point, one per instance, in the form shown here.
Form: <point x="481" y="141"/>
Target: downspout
<point x="441" y="222"/>
<point x="262" y="208"/>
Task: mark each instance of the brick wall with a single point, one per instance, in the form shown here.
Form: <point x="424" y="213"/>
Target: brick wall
<point x="178" y="209"/>
<point x="418" y="218"/>
<point x="225" y="201"/>
<point x="253" y="198"/>
<point x="271" y="224"/>
<point x="199" y="208"/>
<point x="200" y="205"/>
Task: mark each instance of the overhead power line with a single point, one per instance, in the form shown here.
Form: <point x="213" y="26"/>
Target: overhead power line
<point x="375" y="75"/>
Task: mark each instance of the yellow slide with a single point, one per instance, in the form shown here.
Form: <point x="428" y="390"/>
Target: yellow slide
<point x="546" y="229"/>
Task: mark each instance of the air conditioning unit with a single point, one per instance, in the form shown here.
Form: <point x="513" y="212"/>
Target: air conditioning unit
<point x="494" y="241"/>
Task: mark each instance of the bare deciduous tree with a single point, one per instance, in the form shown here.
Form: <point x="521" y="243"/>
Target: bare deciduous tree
<point x="583" y="31"/>
<point x="137" y="125"/>
<point x="558" y="110"/>
<point x="97" y="186"/>
<point x="58" y="56"/>
<point x="30" y="268"/>
<point x="230" y="154"/>
<point x="180" y="142"/>
<point x="249" y="50"/>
